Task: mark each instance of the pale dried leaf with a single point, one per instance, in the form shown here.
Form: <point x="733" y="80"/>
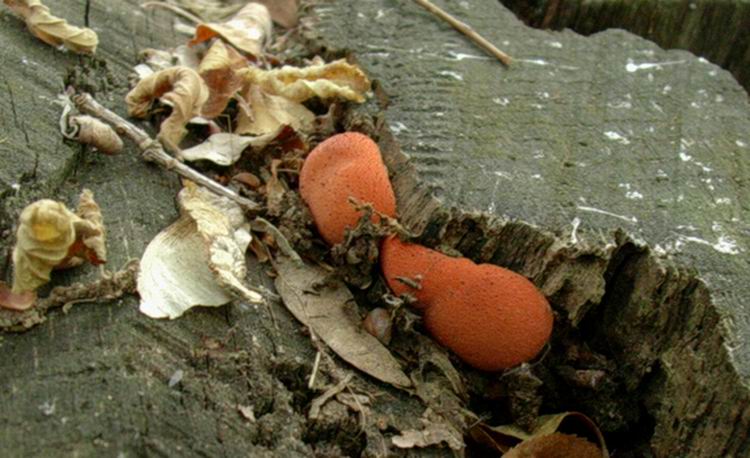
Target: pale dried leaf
<point x="268" y="113"/>
<point x="175" y="276"/>
<point x="179" y="87"/>
<point x="338" y="79"/>
<point x="198" y="260"/>
<point x="247" y="30"/>
<point x="225" y="149"/>
<point x="436" y="431"/>
<point x="328" y="312"/>
<point x="46" y="231"/>
<point x="53" y="30"/>
<point x="219" y="71"/>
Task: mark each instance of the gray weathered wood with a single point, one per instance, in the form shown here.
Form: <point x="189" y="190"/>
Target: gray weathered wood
<point x="715" y="29"/>
<point x="534" y="167"/>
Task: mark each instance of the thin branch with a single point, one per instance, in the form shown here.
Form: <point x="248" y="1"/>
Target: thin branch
<point x="153" y="151"/>
<point x="466" y="30"/>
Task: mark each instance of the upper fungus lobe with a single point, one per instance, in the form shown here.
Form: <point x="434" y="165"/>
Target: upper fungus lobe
<point x="347" y="165"/>
<point x="491" y="317"/>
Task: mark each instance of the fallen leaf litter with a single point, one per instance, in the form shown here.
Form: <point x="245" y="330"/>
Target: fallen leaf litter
<point x="214" y="227"/>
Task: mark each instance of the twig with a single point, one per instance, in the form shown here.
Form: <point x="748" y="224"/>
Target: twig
<point x="153" y="150"/>
<point x="466" y="30"/>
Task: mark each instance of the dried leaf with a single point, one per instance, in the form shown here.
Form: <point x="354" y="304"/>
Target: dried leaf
<point x="338" y="79"/>
<point x="154" y="60"/>
<point x="90" y="235"/>
<point x="504" y="437"/>
<point x="328" y="312"/>
<point x="48" y="236"/>
<point x="283" y="12"/>
<point x="53" y="30"/>
<point x="179" y="87"/>
<point x="219" y="70"/>
<point x="91" y="131"/>
<point x="247" y="30"/>
<point x="270" y="112"/>
<point x="198" y="260"/>
<point x="225" y="149"/>
<point x="555" y="445"/>
<point x="435" y="432"/>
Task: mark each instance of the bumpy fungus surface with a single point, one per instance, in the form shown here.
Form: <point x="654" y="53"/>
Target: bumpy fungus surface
<point x="489" y="316"/>
<point x="345" y="165"/>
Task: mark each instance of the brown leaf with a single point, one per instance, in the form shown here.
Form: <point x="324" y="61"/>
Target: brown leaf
<point x="219" y="70"/>
<point x="270" y="112"/>
<point x="328" y="312"/>
<point x="53" y="30"/>
<point x="283" y="12"/>
<point x="247" y="30"/>
<point x="555" y="445"/>
<point x="338" y="79"/>
<point x="503" y="438"/>
<point x="179" y="87"/>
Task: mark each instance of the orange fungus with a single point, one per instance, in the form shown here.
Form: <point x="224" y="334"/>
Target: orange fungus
<point x="491" y="317"/>
<point x="343" y="166"/>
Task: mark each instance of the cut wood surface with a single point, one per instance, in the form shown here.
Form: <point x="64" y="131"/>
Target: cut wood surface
<point x="565" y="167"/>
<point x="582" y="137"/>
<point x="714" y="29"/>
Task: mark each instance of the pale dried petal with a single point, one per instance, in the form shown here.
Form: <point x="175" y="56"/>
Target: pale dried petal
<point x="271" y="112"/>
<point x="338" y="79"/>
<point x="247" y="30"/>
<point x="53" y="30"/>
<point x="181" y="88"/>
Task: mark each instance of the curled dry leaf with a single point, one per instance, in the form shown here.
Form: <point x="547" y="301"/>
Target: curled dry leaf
<point x="248" y="30"/>
<point x="219" y="71"/>
<point x="555" y="445"/>
<point x="267" y="113"/>
<point x="338" y="79"/>
<point x="51" y="236"/>
<point x="91" y="131"/>
<point x="198" y="260"/>
<point x="504" y="438"/>
<point x="181" y="88"/>
<point x="53" y="30"/>
<point x="225" y="149"/>
<point x="327" y="311"/>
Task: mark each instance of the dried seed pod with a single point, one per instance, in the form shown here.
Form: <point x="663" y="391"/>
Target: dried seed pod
<point x="91" y="131"/>
<point x="379" y="324"/>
